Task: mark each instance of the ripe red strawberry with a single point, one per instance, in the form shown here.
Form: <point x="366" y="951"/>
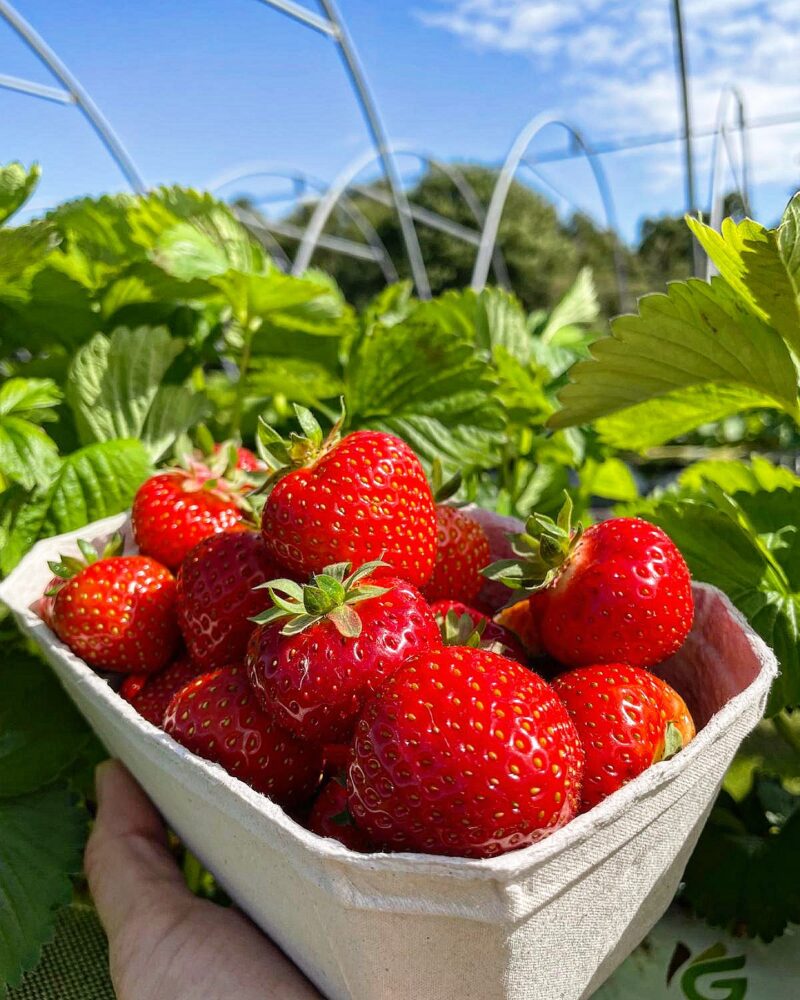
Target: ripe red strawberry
<point x="627" y="719"/>
<point x="451" y="615"/>
<point x="115" y="612"/>
<point x="175" y="510"/>
<point x="331" y="818"/>
<point x="620" y="592"/>
<point x="355" y="499"/>
<point x="466" y="753"/>
<point x="316" y="658"/>
<point x="523" y="619"/>
<point x="216" y="595"/>
<point x="462" y="551"/>
<point x="150" y="694"/>
<point x="217" y="717"/>
<point x="246" y="460"/>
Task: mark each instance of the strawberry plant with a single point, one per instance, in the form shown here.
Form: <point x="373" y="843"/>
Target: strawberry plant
<point x="137" y="332"/>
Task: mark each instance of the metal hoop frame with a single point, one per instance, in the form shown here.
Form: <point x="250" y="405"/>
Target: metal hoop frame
<point x="332" y="25"/>
<point x="302" y="181"/>
<point x="74" y="94"/>
<point x="729" y="94"/>
<point x="345" y="182"/>
<point x="511" y="165"/>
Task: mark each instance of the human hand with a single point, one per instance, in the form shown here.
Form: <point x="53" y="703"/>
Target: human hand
<point x="164" y="942"/>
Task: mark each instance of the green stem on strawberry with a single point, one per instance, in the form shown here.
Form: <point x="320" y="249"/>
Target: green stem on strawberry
<point x="330" y="595"/>
<point x="539" y="551"/>
<point x="284" y="455"/>
<point x="68" y="566"/>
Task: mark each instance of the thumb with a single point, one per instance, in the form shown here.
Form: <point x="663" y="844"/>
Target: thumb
<point x="127" y="861"/>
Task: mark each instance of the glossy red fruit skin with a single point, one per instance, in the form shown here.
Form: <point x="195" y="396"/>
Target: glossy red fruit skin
<point x="331" y="803"/>
<point x="168" y="520"/>
<point x="462" y="551"/>
<point x="621" y="714"/>
<point x="150" y="694"/>
<point x="624" y="596"/>
<point x="315" y="683"/>
<point x="119" y="614"/>
<point x="464" y="753"/>
<point x="492" y="632"/>
<point x="366" y="498"/>
<point x="216" y="595"/>
<point x="216" y="716"/>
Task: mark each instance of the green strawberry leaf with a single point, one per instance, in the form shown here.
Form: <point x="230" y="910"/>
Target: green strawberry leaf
<point x="115" y="390"/>
<point x="610" y="478"/>
<point x="17" y="184"/>
<point x="207" y="245"/>
<point x="697" y="334"/>
<point x="429" y="386"/>
<point x="492" y="318"/>
<point x="749" y="257"/>
<point x="578" y="307"/>
<point x="664" y="418"/>
<point x="391" y="305"/>
<point x="739" y="876"/>
<point x="41" y="840"/>
<point x="789" y="240"/>
<point x="55" y="309"/>
<point x="757" y="476"/>
<point x="22" y="248"/>
<point x="91" y="483"/>
<point x="41" y="733"/>
<point x="27" y="454"/>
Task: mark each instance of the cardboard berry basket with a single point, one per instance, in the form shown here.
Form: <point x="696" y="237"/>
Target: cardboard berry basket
<point x="550" y="922"/>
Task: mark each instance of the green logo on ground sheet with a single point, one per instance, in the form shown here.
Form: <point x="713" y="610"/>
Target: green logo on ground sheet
<point x="709" y="976"/>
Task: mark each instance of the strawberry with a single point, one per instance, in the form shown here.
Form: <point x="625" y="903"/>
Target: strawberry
<point x="462" y="551"/>
<point x="316" y="658"/>
<point x="150" y="694"/>
<point x="355" y="499"/>
<point x="523" y="619"/>
<point x="216" y="716"/>
<point x="216" y="595"/>
<point x="627" y="719"/>
<point x="176" y="509"/>
<point x="456" y="621"/>
<point x="246" y="460"/>
<point x="619" y="592"/>
<point x="115" y="612"/>
<point x="466" y="753"/>
<point x="331" y="818"/>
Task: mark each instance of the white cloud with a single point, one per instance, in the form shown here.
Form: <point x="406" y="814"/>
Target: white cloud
<point x="615" y="63"/>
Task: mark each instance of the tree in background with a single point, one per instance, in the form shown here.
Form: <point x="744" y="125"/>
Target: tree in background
<point x="543" y="252"/>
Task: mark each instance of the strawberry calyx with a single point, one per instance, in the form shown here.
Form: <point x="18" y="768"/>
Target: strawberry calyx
<point x="540" y="551"/>
<point x="218" y="475"/>
<point x="283" y="455"/>
<point x="330" y="595"/>
<point x="673" y="742"/>
<point x="68" y="566"/>
<point x="462" y="630"/>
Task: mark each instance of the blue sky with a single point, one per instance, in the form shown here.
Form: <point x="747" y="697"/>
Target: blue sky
<point x="198" y="88"/>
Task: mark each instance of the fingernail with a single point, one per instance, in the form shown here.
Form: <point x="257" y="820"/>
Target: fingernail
<point x="101" y="776"/>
